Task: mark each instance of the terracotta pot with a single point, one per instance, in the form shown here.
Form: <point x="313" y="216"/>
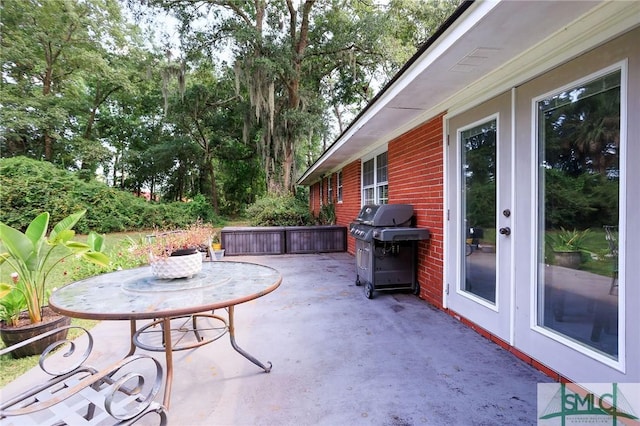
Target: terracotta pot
<point x="50" y="321"/>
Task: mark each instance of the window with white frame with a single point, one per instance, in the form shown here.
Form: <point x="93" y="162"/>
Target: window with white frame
<point x="375" y="188"/>
<point x="339" y="186"/>
<point x="321" y="190"/>
<point x="580" y="140"/>
<point x="329" y="191"/>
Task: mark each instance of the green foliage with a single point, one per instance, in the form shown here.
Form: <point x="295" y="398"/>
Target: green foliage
<point x="296" y="66"/>
<point x="327" y="214"/>
<point x="34" y="253"/>
<point x="481" y="206"/>
<point x="80" y="89"/>
<point x="59" y="65"/>
<point x="566" y="240"/>
<point x="581" y="201"/>
<point x="30" y="187"/>
<point x="200" y="208"/>
<point x="12" y="304"/>
<point x="279" y="211"/>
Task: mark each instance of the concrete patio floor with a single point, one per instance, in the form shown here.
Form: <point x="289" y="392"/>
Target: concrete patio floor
<point x="339" y="359"/>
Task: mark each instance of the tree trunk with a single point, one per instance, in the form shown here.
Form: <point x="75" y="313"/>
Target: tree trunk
<point x="214" y="189"/>
<point x="46" y="91"/>
<point x="288" y="165"/>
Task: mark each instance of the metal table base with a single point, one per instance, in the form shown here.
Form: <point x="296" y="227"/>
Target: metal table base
<point x="188" y="324"/>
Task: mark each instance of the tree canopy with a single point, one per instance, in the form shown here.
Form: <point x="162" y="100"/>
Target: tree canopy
<point x="245" y="96"/>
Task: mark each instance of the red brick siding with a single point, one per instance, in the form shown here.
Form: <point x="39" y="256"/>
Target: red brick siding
<point x="314" y="198"/>
<point x="416" y="177"/>
<point x="350" y="206"/>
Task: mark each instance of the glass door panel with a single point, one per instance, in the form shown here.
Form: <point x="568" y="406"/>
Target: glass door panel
<point x="478" y="168"/>
<point x="578" y="199"/>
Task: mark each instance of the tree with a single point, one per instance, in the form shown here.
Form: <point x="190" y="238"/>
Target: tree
<point x="195" y="116"/>
<point x="78" y="88"/>
<point x="61" y="59"/>
<point x="287" y="55"/>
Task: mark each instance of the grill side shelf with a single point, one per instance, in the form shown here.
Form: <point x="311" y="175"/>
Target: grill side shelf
<point x="401" y="234"/>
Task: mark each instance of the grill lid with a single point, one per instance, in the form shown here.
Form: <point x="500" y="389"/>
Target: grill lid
<point x="386" y="214"/>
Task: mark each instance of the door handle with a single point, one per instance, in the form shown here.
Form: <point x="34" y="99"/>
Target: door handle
<point x="505" y="231"/>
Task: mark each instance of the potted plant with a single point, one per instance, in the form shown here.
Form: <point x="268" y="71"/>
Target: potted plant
<point x="567" y="247"/>
<point x="33" y="255"/>
<point x="178" y="253"/>
<point x="216" y="245"/>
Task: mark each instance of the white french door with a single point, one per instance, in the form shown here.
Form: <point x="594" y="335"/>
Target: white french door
<point x="479" y="225"/>
<point x="573" y="318"/>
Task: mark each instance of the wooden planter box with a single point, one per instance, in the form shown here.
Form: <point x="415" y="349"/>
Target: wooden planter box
<point x="281" y="240"/>
<point x="316" y="239"/>
<point x="253" y="240"/>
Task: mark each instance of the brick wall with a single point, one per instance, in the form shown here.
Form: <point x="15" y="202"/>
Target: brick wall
<point x="314" y="198"/>
<point x="350" y="206"/>
<point x="416" y="177"/>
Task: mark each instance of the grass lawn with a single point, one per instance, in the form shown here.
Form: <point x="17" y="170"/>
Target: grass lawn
<point x="595" y="257"/>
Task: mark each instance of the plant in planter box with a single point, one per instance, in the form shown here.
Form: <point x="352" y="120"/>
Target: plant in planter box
<point x="177" y="254"/>
<point x="215" y="242"/>
<point x="566" y="240"/>
<point x="33" y="255"/>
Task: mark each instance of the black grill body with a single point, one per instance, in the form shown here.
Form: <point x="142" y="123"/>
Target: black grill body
<point x="386" y="248"/>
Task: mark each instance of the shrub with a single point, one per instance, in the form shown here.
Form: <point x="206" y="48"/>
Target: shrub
<point x="280" y="211"/>
<point x="327" y="214"/>
<point x="30" y="187"/>
<point x="200" y="208"/>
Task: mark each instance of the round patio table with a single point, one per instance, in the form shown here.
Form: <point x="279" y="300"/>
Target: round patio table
<point x="135" y="294"/>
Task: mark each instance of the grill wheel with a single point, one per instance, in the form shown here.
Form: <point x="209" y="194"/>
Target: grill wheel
<point x="368" y="290"/>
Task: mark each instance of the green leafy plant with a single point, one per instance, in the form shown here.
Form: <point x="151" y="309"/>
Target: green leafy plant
<point x="566" y="240"/>
<point x="13" y="303"/>
<point x="327" y="214"/>
<point x="34" y="253"/>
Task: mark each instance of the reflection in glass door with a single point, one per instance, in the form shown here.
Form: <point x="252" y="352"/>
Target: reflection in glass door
<point x="479" y="210"/>
<point x="578" y="199"/>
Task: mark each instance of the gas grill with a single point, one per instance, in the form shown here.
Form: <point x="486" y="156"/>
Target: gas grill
<point x="386" y="248"/>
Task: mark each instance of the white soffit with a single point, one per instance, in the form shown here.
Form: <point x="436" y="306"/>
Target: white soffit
<point x="504" y="32"/>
